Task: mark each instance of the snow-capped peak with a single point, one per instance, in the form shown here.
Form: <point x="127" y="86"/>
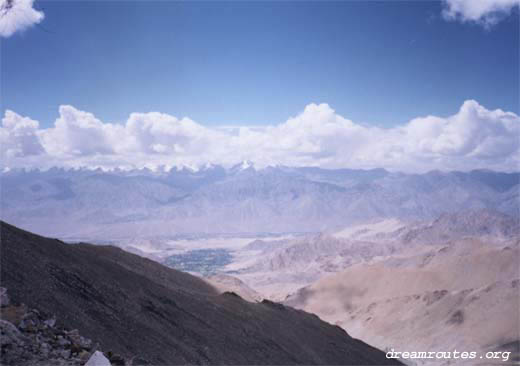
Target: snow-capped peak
<point x="244" y="165"/>
<point x="247" y="164"/>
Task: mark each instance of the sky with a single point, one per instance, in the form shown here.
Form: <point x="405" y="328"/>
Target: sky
<point x="232" y="74"/>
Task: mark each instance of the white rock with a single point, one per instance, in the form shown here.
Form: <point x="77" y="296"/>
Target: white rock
<point x="98" y="359"/>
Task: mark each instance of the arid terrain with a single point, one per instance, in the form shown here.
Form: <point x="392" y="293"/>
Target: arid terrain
<point x="464" y="296"/>
<point x="428" y="281"/>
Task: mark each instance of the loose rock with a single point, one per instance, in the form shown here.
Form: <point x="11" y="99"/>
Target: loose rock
<point x="4" y="298"/>
<point x="28" y="337"/>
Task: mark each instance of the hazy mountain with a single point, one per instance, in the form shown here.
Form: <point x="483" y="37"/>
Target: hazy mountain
<point x="301" y="261"/>
<point x="477" y="223"/>
<point x="142" y="203"/>
<point x="135" y="306"/>
<point x="481" y="224"/>
<point x="365" y="241"/>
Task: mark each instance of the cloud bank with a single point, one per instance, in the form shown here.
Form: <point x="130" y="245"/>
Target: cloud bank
<point x="17" y="15"/>
<point x="484" y="12"/>
<point x="472" y="138"/>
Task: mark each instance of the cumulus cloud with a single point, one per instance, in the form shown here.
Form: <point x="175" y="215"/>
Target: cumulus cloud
<point x="485" y="12"/>
<point x="17" y="15"/>
<point x="19" y="136"/>
<point x="79" y="133"/>
<point x="472" y="138"/>
<point x="158" y="133"/>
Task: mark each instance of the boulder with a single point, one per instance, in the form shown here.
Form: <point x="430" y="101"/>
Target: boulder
<point x="12" y="343"/>
<point x="63" y="342"/>
<point x="50" y="322"/>
<point x="10" y="335"/>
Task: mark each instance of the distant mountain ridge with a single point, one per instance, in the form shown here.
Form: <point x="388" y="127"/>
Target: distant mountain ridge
<point x="214" y="200"/>
<point x="480" y="223"/>
<point x="303" y="260"/>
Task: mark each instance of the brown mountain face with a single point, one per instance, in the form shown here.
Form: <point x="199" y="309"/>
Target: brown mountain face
<point x="136" y="307"/>
<point x="461" y="295"/>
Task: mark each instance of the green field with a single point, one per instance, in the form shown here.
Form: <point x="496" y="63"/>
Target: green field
<point x="203" y="261"/>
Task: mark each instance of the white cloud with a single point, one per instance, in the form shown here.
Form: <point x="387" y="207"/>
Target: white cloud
<point x="485" y="12"/>
<point x="17" y="15"/>
<point x="164" y="134"/>
<point x="18" y="136"/>
<point x="474" y="137"/>
<point x="79" y="133"/>
<point x="473" y="132"/>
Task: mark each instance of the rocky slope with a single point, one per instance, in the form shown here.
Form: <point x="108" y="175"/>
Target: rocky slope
<point x="28" y="337"/>
<point x="136" y="307"/>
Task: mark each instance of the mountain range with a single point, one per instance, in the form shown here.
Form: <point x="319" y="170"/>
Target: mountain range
<point x="96" y="204"/>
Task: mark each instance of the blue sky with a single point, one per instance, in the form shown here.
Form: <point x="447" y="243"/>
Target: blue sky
<point x="254" y="63"/>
